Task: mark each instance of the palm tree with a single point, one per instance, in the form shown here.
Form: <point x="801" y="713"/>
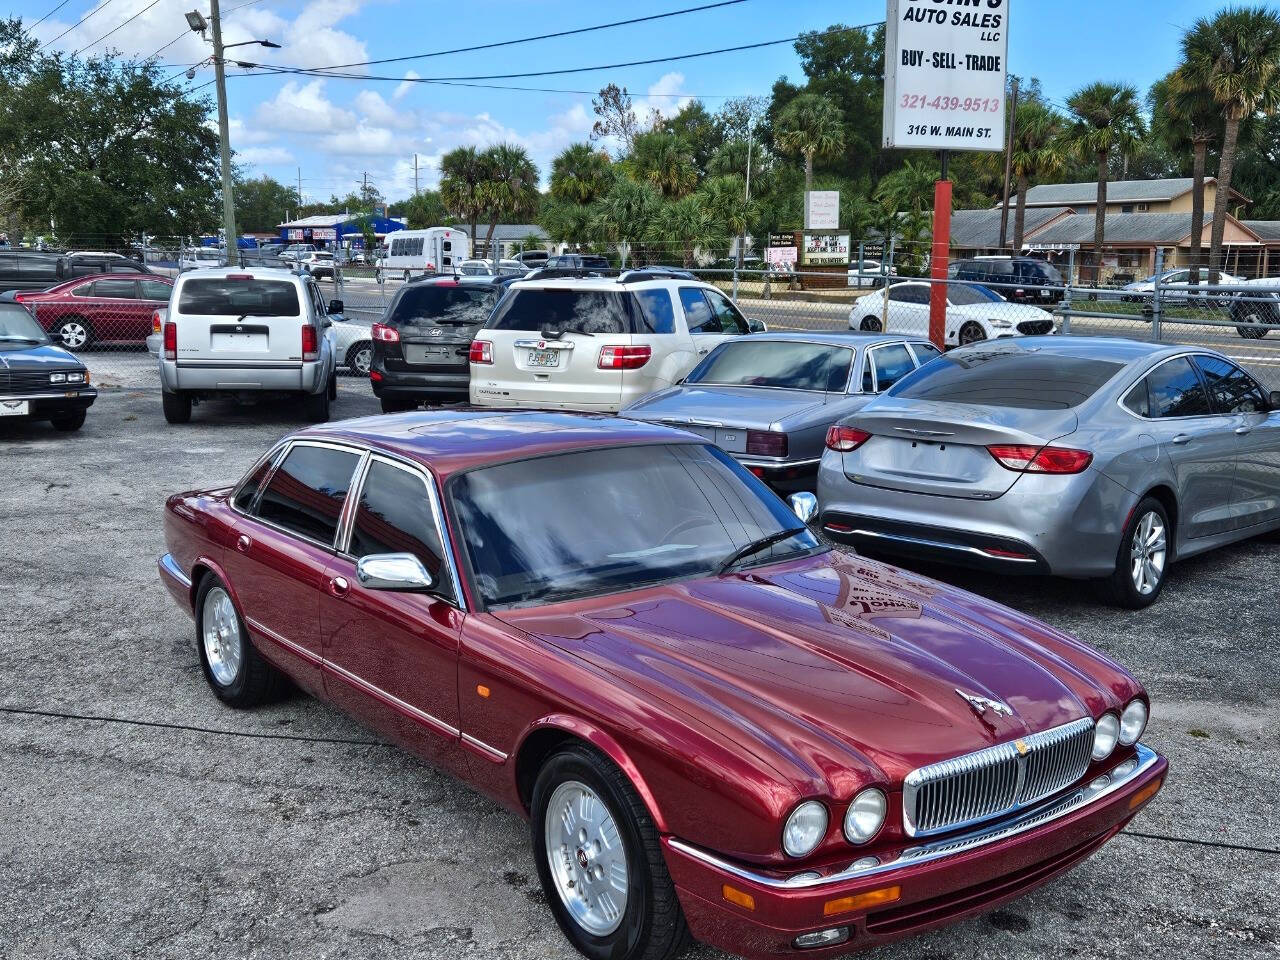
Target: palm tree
<point x="664" y="161"/>
<point x="581" y="174"/>
<point x="509" y="187"/>
<point x="906" y="200"/>
<point x="1236" y="58"/>
<point x="1106" y="120"/>
<point x="624" y="214"/>
<point x="811" y="126"/>
<point x="460" y="176"/>
<point x="690" y="222"/>
<point x="1184" y="116"/>
<point x="1038" y="151"/>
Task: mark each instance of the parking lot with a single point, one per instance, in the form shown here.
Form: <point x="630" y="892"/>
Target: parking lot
<point x="143" y="818"/>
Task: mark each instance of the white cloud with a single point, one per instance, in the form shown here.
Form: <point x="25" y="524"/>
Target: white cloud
<point x="405" y="85"/>
<point x="665" y="96"/>
<point x="264" y="156"/>
<point x="304" y="109"/>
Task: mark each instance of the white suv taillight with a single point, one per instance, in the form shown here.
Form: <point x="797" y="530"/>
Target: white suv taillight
<point x="170" y="340"/>
<point x="155" y="322"/>
<point x="481" y="351"/>
<point x="618" y="357"/>
<point x="310" y="343"/>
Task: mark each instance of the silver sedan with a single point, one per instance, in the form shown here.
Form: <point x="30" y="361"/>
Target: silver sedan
<point x="1079" y="457"/>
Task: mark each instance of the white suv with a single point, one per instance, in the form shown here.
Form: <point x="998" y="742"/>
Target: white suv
<point x="235" y="331"/>
<point x="598" y="343"/>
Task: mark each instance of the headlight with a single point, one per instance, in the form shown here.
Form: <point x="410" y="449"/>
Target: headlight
<point x="75" y="378"/>
<point x="1104" y="736"/>
<point x="57" y="378"/>
<point x="865" y="816"/>
<point x="1132" y="722"/>
<point x="1001" y="324"/>
<point x="805" y="829"/>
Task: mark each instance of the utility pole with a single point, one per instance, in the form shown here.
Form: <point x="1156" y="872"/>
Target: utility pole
<point x="224" y="138"/>
<point x="299" y="186"/>
<point x="1008" y="166"/>
<point x="415" y="174"/>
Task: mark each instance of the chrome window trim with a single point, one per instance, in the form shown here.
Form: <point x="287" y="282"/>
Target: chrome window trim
<point x="1187" y="354"/>
<point x="940" y="849"/>
<point x="489" y="752"/>
<point x="268" y="457"/>
<point x="875" y="377"/>
<point x="287" y="446"/>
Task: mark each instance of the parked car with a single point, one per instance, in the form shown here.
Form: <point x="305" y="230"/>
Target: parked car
<point x="233" y="332"/>
<point x="869" y="274"/>
<point x="1259" y="304"/>
<point x="484" y="268"/>
<point x="319" y="263"/>
<point x="30" y="270"/>
<point x="352" y="345"/>
<point x="717" y="726"/>
<point x="90" y="264"/>
<point x="577" y="261"/>
<point x="414" y="253"/>
<point x="40" y="380"/>
<point x="201" y="258"/>
<point x="1017" y="279"/>
<point x="769" y="399"/>
<point x="422" y="343"/>
<point x="532" y="258"/>
<point x="974" y="313"/>
<point x="598" y="343"/>
<point x="1077" y="457"/>
<point x="1180" y="283"/>
<point x="295" y="253"/>
<point x="109" y="309"/>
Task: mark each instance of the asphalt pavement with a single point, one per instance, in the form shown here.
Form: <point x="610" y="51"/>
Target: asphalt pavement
<point x="139" y="817"/>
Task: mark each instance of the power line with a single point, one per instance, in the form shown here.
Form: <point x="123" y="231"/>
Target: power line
<point x="95" y="10"/>
<point x="49" y="14"/>
<point x="115" y="28"/>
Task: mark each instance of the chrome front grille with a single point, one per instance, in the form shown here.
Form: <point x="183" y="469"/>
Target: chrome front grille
<point x="997" y="780"/>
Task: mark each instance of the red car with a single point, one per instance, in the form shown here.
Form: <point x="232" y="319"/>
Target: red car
<point x="103" y="309"/>
<point x="718" y="727"/>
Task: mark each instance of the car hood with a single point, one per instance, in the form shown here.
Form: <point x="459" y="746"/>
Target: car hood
<point x="835" y="666"/>
<point x="728" y="406"/>
<point x="28" y="357"/>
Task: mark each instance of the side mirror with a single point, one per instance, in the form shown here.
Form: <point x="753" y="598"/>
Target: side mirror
<point x="756" y="326"/>
<point x="393" y="571"/>
<point x="804" y="505"/>
<point x="335" y="306"/>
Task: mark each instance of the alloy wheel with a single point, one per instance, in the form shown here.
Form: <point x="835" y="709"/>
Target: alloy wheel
<point x="587" y="858"/>
<point x="74" y="334"/>
<point x="971" y="333"/>
<point x="1147" y="553"/>
<point x="223" y="647"/>
<point x="360" y="361"/>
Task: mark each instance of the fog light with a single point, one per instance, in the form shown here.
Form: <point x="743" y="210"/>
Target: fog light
<point x="801" y="879"/>
<point x="821" y="938"/>
<point x="866" y="863"/>
<point x="1101" y="783"/>
<point x="1126" y="768"/>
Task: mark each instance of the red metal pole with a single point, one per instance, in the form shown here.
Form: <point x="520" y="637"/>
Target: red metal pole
<point x="938" y="261"/>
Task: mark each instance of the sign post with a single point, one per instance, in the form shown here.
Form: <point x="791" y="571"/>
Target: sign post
<point x="945" y="70"/>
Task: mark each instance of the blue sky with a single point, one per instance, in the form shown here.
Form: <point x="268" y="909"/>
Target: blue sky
<point x="336" y="130"/>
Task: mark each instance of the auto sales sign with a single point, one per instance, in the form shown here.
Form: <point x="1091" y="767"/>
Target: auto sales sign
<point x="945" y="66"/>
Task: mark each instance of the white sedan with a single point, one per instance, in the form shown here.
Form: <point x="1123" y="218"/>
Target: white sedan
<point x="974" y="313"/>
<point x="1180" y="280"/>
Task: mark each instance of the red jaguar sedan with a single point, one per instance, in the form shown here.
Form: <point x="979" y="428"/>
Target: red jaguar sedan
<point x="718" y="727"/>
<point x="111" y="308"/>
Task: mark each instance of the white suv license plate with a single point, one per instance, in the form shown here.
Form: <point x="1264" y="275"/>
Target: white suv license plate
<point x="544" y="358"/>
<point x="14" y="408"/>
<point x="239" y="342"/>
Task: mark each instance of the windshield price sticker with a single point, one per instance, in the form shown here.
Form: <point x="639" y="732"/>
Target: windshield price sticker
<point x="945" y="67"/>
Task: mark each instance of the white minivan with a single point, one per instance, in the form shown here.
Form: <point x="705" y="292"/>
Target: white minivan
<point x="415" y="253"/>
<point x="252" y="333"/>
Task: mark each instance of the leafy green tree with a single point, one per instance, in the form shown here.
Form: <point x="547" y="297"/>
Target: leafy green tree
<point x="1107" y="121"/>
<point x="690" y="224"/>
<point x="699" y="129"/>
<point x="810" y="126"/>
<point x="1186" y="118"/>
<point x="461" y="174"/>
<point x="906" y="201"/>
<point x="1256" y="173"/>
<point x="263" y="203"/>
<point x="1235" y="56"/>
<point x="508" y="188"/>
<point x="426" y="208"/>
<point x="615" y="117"/>
<point x="581" y="174"/>
<point x="624" y="215"/>
<point x="664" y="161"/>
<point x="1040" y="150"/>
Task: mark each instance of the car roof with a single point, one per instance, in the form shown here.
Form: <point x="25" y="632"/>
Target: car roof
<point x="1111" y="349"/>
<point x="460" y="438"/>
<point x="598" y="282"/>
<point x="276" y="273"/>
<point x="841" y="338"/>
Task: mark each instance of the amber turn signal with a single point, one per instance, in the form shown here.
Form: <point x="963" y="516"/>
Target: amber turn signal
<point x="1145" y="794"/>
<point x="482" y="690"/>
<point x="737" y="897"/>
<point x="861" y="901"/>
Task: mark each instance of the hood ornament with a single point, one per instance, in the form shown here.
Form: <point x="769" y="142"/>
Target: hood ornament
<point x="982" y="704"/>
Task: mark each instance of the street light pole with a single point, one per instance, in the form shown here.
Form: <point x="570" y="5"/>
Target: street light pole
<point x="224" y="139"/>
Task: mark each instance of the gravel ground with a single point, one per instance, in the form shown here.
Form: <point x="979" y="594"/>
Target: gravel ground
<point x="291" y="831"/>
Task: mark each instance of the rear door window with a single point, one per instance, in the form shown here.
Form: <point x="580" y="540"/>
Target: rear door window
<point x="658" y="311"/>
<point x="305" y="496"/>
<point x="116" y="289"/>
<point x="1005" y="375"/>
<point x="909" y="293"/>
<point x="155" y="290"/>
<point x="889" y="364"/>
<point x="1175" y="390"/>
<point x="394" y="515"/>
<point x="233" y="297"/>
<point x="565" y="310"/>
<point x="1232" y="390"/>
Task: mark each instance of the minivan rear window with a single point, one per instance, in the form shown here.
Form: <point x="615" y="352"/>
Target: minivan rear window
<point x="229" y="296"/>
<point x="422" y="306"/>
<point x="1002" y="376"/>
<point x="568" y="310"/>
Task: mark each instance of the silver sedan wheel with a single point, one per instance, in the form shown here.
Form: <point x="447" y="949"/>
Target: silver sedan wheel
<point x="223" y="646"/>
<point x="587" y="858"/>
<point x="360" y="360"/>
<point x="74" y="334"/>
<point x="1147" y="553"/>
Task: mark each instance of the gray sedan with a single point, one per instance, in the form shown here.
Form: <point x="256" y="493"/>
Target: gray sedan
<point x="769" y="399"/>
<point x="1079" y="457"/>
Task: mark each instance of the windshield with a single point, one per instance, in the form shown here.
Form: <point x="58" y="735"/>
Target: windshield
<point x="18" y="326"/>
<point x="773" y="363"/>
<point x="422" y="306"/>
<point x="234" y="297"/>
<point x="964" y="296"/>
<point x="560" y="310"/>
<point x="603" y="521"/>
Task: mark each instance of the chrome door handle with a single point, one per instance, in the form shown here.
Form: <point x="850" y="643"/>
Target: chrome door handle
<point x="1182" y="438"/>
<point x="243" y="544"/>
<point x="338" y="586"/>
<point x="1243" y="430"/>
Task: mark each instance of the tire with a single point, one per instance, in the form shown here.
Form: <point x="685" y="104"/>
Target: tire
<point x="333" y="384"/>
<point x="239" y="676"/>
<point x="870" y="325"/>
<point x="177" y="407"/>
<point x="357" y="367"/>
<point x="1148" y="521"/>
<point x="68" y="421"/>
<point x="972" y="332"/>
<point x="75" y="333"/>
<point x="1242" y="313"/>
<point x="316" y="406"/>
<point x="396" y="405"/>
<point x="620" y="841"/>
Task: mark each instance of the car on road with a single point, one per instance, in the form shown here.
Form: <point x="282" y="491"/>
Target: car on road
<point x="111" y="308"/>
<point x="974" y="313"/>
<point x="1256" y="308"/>
<point x="1175" y="285"/>
<point x="867" y="274"/>
<point x="1017" y="279"/>
<point x="236" y="332"/>
<point x="422" y="343"/>
<point x="769" y="399"/>
<point x="718" y="727"/>
<point x="598" y="342"/>
<point x="1078" y="457"/>
<point x="39" y="380"/>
